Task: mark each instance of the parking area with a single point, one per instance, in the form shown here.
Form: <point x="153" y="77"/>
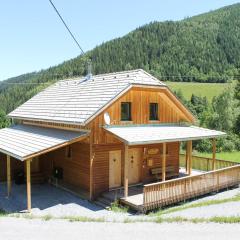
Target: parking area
<point x="49" y="200"/>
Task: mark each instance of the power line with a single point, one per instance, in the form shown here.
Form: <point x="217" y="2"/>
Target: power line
<point x="73" y="37"/>
<point x="73" y="78"/>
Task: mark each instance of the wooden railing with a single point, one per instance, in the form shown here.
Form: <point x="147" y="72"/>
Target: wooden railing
<point x="204" y="163"/>
<point x="165" y="193"/>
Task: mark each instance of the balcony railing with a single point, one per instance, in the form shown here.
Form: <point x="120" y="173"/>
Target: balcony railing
<point x="176" y="190"/>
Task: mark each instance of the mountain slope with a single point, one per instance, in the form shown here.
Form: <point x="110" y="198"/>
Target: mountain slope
<point x="204" y="48"/>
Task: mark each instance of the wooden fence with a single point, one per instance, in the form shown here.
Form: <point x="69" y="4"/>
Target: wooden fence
<point x="205" y="164"/>
<point x="165" y="193"/>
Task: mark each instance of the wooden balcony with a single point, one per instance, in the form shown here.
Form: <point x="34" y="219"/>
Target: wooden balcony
<point x="165" y="193"/>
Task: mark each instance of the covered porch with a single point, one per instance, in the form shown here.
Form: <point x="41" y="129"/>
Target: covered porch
<point x="25" y="144"/>
<point x="165" y="192"/>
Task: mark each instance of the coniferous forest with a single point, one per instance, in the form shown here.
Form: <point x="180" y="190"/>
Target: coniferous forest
<point x="204" y="48"/>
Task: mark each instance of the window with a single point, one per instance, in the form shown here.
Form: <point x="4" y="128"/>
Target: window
<point x="68" y="152"/>
<point x="153" y="111"/>
<point x="126" y="111"/>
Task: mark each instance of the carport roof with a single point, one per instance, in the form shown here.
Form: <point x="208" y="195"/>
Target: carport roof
<point x="149" y="134"/>
<point x="24" y="141"/>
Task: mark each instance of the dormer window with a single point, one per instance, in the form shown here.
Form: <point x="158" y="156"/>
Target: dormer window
<point x="126" y="111"/>
<point x="153" y="112"/>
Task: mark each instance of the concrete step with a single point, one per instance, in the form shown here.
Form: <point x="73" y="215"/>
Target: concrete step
<point x="105" y="201"/>
<point x="103" y="205"/>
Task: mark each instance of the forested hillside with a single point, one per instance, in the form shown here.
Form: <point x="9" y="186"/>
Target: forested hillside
<point x="205" y="48"/>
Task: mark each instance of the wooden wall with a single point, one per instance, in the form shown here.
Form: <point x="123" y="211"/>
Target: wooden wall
<point x="101" y="164"/>
<point x="172" y="159"/>
<point x="76" y="170"/>
<point x="170" y="111"/>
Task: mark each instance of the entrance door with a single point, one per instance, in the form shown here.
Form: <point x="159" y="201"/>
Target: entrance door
<point x="114" y="169"/>
<point x="134" y="157"/>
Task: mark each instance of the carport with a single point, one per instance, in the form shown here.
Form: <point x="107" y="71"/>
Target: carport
<point x="25" y="142"/>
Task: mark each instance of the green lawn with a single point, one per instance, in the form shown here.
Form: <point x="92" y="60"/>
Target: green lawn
<point x="200" y="89"/>
<point x="231" y="156"/>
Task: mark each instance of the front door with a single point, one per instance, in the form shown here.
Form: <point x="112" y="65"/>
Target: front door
<point x="114" y="169"/>
<point x="134" y="158"/>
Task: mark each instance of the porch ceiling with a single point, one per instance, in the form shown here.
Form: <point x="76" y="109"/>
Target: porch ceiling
<point x="149" y="134"/>
<point x="23" y="141"/>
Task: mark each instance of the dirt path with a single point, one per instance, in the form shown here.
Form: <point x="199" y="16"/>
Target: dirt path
<point x="12" y="229"/>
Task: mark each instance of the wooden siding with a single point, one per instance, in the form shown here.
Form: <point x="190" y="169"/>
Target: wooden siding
<point x="76" y="170"/>
<point x="170" y="111"/>
<point x="101" y="164"/>
<point x="172" y="160"/>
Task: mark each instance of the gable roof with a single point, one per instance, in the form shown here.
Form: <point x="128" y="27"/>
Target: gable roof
<point x="76" y="100"/>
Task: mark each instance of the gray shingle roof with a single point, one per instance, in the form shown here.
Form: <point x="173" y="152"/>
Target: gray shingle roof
<point x="22" y="141"/>
<point x="77" y="100"/>
<point x="150" y="134"/>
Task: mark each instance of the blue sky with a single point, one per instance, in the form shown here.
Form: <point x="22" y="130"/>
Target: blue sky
<point x="33" y="38"/>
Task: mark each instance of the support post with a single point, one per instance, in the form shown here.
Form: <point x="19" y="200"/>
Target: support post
<point x="91" y="166"/>
<point x="8" y="175"/>
<point x="214" y="154"/>
<point x="126" y="171"/>
<point x="164" y="161"/>
<point x="28" y="171"/>
<point x="187" y="158"/>
<point x="189" y="149"/>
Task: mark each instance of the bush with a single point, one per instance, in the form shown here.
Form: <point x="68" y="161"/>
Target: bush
<point x="229" y="143"/>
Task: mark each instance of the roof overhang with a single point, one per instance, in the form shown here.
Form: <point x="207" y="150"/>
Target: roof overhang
<point x="25" y="142"/>
<point x="151" y="134"/>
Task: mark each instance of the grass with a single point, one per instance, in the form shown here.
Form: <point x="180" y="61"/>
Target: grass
<point x="158" y="219"/>
<point x="231" y="156"/>
<point x="229" y="220"/>
<point x="2" y="213"/>
<point x="222" y="220"/>
<point x="50" y="217"/>
<point x="195" y="205"/>
<point x="84" y="219"/>
<point x="116" y="207"/>
<point x="200" y="89"/>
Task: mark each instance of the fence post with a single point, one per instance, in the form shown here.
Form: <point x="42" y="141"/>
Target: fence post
<point x="217" y="182"/>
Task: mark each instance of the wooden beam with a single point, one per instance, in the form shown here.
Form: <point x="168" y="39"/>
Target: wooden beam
<point x="126" y="171"/>
<point x="189" y="148"/>
<point x="164" y="151"/>
<point x="91" y="167"/>
<point x="214" y="154"/>
<point x="47" y="150"/>
<point x="8" y="175"/>
<point x="28" y="171"/>
<point x="187" y="158"/>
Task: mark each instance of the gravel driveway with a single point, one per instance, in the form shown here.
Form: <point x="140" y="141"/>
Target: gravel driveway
<point x="48" y="200"/>
<point x="223" y="209"/>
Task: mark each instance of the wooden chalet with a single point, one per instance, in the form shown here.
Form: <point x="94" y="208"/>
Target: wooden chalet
<point x="100" y="133"/>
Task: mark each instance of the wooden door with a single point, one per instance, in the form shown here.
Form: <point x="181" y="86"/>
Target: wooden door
<point x="114" y="169"/>
<point x="134" y="159"/>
